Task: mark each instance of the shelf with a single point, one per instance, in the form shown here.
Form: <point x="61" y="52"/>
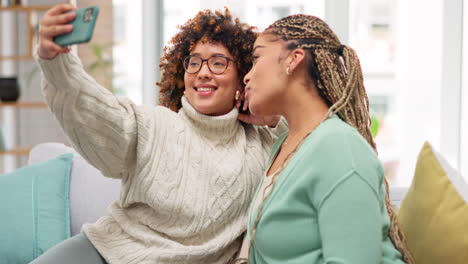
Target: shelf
<point x="25" y="57"/>
<point x="20" y="104"/>
<point x="25" y="8"/>
<point x="16" y="152"/>
<point x="31" y="12"/>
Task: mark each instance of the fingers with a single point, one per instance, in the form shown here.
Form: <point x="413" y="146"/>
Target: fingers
<point x="56" y="30"/>
<point x="51" y="46"/>
<point x="48" y="49"/>
<point x="243" y="117"/>
<point x="54" y="23"/>
<point x="60" y="9"/>
<point x="59" y="19"/>
<point x="246" y="103"/>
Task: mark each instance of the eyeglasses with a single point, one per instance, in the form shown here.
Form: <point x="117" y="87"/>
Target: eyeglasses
<point x="217" y="64"/>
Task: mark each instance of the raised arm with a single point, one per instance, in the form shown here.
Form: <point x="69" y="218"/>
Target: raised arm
<point x="105" y="129"/>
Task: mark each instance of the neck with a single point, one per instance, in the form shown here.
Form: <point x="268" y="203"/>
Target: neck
<point x="222" y="127"/>
<point x="305" y="110"/>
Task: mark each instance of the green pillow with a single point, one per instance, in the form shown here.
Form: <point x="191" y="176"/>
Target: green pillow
<point x="34" y="209"/>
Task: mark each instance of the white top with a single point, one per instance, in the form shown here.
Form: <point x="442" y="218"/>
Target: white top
<point x="187" y="178"/>
<point x="264" y="190"/>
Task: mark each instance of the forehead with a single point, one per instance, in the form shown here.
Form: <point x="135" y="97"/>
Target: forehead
<point x="266" y="39"/>
<point x="207" y="49"/>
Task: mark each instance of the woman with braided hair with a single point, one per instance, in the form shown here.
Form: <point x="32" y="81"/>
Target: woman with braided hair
<point x="188" y="175"/>
<point x="323" y="198"/>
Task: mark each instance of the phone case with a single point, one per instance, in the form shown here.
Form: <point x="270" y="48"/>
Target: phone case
<point x="83" y="27"/>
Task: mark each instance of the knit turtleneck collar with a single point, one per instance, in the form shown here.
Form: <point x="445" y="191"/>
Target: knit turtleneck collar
<point x="214" y="127"/>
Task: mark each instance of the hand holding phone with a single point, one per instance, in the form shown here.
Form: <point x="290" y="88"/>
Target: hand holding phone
<point x="61" y="20"/>
<point x="83" y="27"/>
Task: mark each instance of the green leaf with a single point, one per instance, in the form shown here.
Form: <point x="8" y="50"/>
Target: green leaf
<point x="374" y="126"/>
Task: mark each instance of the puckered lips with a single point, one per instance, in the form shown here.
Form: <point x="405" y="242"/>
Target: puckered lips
<point x="205" y="89"/>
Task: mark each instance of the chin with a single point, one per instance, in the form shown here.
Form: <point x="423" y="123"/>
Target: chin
<point x="258" y="110"/>
<point x="255" y="110"/>
<point x="210" y="110"/>
<point x="203" y="109"/>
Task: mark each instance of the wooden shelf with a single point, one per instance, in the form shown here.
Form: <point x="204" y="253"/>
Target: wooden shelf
<point x="31" y="12"/>
<point x="20" y="104"/>
<point x="16" y="58"/>
<point x="16" y="152"/>
<point x="20" y="8"/>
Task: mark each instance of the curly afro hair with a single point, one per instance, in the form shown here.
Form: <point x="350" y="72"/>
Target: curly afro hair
<point x="209" y="26"/>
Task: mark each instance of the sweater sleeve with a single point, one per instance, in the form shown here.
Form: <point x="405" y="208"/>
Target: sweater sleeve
<point x="350" y="222"/>
<point x="102" y="127"/>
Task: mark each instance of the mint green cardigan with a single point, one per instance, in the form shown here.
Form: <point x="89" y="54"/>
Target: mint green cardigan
<point x="328" y="204"/>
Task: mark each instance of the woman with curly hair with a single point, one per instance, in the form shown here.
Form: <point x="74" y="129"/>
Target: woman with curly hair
<point x="188" y="174"/>
<point x="323" y="198"/>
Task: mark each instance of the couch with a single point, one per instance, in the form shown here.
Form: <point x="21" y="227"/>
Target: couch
<point x="91" y="193"/>
<point x="433" y="209"/>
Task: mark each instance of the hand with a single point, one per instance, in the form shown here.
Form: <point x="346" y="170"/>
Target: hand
<point x="270" y="121"/>
<point x="54" y="23"/>
<point x="249" y="118"/>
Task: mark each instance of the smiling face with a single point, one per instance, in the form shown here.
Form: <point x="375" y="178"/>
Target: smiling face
<point x="266" y="81"/>
<point x="209" y="93"/>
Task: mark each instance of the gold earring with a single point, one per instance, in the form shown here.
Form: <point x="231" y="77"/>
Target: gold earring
<point x="237" y="96"/>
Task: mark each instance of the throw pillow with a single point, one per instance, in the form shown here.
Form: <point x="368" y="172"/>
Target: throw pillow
<point x="434" y="214"/>
<point x="34" y="209"/>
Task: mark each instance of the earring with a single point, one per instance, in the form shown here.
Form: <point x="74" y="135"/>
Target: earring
<point x="184" y="92"/>
<point x="287" y="71"/>
<point x="237" y="96"/>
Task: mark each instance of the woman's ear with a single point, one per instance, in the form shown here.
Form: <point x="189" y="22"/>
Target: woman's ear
<point x="296" y="57"/>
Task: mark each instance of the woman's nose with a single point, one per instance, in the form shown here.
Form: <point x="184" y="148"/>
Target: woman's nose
<point x="204" y="71"/>
<point x="247" y="78"/>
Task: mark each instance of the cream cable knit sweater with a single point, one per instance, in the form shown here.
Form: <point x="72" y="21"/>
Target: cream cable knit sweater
<point x="187" y="178"/>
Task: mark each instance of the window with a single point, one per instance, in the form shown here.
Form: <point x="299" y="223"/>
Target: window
<point x="259" y="13"/>
<point x="464" y="100"/>
<point x="402" y="62"/>
<point x="127" y="53"/>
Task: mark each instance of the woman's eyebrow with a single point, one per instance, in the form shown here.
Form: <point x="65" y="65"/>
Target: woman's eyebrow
<point x="255" y="48"/>
<point x="213" y="54"/>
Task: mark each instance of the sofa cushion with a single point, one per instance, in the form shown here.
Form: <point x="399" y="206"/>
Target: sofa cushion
<point x="34" y="213"/>
<point x="90" y="192"/>
<point x="434" y="213"/>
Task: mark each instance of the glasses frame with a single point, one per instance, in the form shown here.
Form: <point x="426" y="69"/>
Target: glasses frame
<point x="207" y="64"/>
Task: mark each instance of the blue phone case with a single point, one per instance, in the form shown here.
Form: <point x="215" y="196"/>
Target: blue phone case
<point x="83" y="27"/>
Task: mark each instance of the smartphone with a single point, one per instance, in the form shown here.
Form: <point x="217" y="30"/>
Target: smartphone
<point x="83" y="27"/>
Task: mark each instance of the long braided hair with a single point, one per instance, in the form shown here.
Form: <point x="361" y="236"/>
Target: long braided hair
<point x="336" y="72"/>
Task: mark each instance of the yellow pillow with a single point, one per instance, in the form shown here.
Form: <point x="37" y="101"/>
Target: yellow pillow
<point x="434" y="215"/>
